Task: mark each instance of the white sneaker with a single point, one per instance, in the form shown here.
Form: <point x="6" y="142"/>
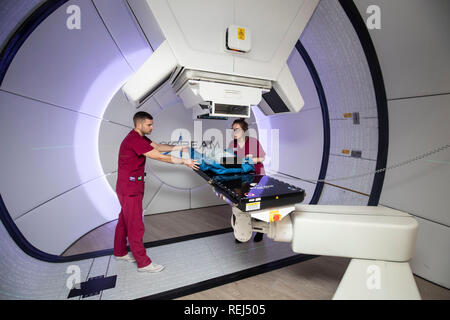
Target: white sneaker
<point x="152" y="267"/>
<point x="128" y="257"/>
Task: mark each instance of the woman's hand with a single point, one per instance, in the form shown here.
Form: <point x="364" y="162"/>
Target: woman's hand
<point x="254" y="159"/>
<point x="250" y="156"/>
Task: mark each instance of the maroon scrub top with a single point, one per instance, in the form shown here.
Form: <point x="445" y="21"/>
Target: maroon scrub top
<point x="253" y="147"/>
<point x="130" y="179"/>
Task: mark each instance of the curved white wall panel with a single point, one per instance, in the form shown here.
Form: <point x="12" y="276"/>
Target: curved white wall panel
<point x="55" y="225"/>
<point x="119" y="110"/>
<point x="169" y="199"/>
<point x="61" y="66"/>
<point x="112" y="180"/>
<point x="422" y="187"/>
<point x="412" y="45"/>
<point x="125" y="31"/>
<point x="301" y="143"/>
<point x="109" y="140"/>
<point x="40" y="162"/>
<point x="67" y="78"/>
<point x="336" y="52"/>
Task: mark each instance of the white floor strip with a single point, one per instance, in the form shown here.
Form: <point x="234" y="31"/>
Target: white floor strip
<point x="186" y="263"/>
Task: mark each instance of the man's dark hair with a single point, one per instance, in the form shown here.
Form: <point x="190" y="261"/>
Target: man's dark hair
<point x="242" y="123"/>
<point x="141" y="115"/>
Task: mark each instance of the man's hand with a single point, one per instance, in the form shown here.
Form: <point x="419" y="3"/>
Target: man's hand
<point x="190" y="163"/>
<point x="156" y="155"/>
<point x="169" y="148"/>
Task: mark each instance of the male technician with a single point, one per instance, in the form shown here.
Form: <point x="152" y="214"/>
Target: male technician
<point x="134" y="150"/>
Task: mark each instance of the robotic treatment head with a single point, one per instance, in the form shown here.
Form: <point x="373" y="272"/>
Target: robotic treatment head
<point x="219" y="68"/>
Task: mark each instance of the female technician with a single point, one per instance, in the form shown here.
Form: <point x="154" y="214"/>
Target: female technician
<point x="244" y="146"/>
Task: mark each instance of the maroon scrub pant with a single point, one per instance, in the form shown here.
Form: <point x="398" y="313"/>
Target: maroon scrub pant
<point x="131" y="225"/>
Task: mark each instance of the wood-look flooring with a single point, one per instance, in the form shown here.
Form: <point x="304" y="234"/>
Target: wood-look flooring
<point x="316" y="279"/>
<point x="158" y="227"/>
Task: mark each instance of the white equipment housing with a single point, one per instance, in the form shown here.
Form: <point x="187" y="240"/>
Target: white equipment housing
<point x="379" y="240"/>
<point x="222" y="56"/>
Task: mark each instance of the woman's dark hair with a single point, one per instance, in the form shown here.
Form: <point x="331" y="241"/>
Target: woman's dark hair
<point x="141" y="115"/>
<point x="242" y="123"/>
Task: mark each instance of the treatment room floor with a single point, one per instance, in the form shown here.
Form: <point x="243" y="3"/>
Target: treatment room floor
<point x="158" y="227"/>
<point x="317" y="278"/>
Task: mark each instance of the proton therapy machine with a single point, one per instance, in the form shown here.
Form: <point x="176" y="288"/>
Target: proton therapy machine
<point x="221" y="58"/>
<point x="380" y="240"/>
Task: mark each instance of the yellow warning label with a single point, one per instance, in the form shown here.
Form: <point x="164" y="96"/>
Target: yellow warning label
<point x="348" y="115"/>
<point x="241" y="34"/>
<point x="252" y="206"/>
<point x="345" y="151"/>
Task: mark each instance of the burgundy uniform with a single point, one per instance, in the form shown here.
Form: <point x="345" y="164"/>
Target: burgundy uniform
<point x="253" y="147"/>
<point x="130" y="191"/>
